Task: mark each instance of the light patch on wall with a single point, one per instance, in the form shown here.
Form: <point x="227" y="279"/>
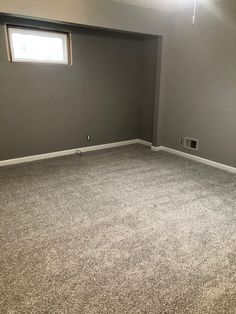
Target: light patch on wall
<point x="217" y="9"/>
<point x="164" y="5"/>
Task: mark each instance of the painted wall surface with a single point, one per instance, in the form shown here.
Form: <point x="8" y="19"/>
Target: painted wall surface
<point x="99" y="13"/>
<point x="113" y="15"/>
<point x="198" y="72"/>
<point x="46" y="108"/>
<point x="148" y="89"/>
<point x="200" y="96"/>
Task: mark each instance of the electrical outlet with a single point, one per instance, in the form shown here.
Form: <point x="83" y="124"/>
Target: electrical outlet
<point x="88" y="138"/>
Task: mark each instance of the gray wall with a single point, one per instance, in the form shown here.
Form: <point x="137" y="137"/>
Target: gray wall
<point x="99" y="13"/>
<point x="47" y="108"/>
<point x="200" y="96"/>
<point x="148" y="89"/>
<point x="198" y="75"/>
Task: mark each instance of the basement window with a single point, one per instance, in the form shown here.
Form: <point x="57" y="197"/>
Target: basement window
<point x="38" y="45"/>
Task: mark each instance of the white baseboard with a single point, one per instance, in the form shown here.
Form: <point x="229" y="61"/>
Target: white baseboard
<point x="195" y="158"/>
<point x="65" y="152"/>
<point x="157" y="148"/>
<point x="146" y="143"/>
<point x="36" y="157"/>
<point x="112" y="145"/>
<point x="109" y="145"/>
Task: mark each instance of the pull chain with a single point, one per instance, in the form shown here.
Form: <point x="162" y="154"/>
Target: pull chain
<point x="194" y="12"/>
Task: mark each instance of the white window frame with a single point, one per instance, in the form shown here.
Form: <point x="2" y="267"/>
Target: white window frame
<point x="65" y="36"/>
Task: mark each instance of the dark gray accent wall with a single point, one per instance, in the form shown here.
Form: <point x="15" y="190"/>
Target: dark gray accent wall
<point x="200" y="84"/>
<point x="148" y="89"/>
<point x="108" y="93"/>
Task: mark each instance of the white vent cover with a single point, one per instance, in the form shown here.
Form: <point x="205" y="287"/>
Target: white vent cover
<point x="191" y="143"/>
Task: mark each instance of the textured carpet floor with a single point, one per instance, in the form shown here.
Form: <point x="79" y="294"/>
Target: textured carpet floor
<point x="118" y="231"/>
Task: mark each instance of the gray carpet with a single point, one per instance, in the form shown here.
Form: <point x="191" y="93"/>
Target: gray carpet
<point x="126" y="230"/>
